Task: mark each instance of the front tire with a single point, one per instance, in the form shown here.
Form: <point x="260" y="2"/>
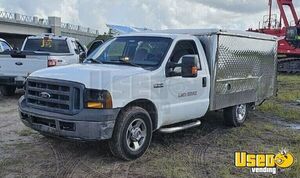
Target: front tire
<point x="236" y="115"/>
<point x="132" y="134"/>
<point x="7" y="90"/>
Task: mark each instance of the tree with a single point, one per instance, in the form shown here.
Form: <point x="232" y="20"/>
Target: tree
<point x="104" y="37"/>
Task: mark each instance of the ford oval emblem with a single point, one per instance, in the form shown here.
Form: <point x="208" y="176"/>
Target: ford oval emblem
<point x="45" y="95"/>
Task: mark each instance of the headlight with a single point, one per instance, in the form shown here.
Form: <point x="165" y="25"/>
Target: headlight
<point x="97" y="99"/>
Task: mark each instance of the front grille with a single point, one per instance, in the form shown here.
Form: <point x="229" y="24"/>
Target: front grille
<point x="54" y="95"/>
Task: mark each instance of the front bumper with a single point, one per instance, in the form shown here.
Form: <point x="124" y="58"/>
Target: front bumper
<point x="87" y="125"/>
<point x="11" y="80"/>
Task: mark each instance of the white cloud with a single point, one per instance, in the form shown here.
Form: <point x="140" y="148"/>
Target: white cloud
<point x="155" y="14"/>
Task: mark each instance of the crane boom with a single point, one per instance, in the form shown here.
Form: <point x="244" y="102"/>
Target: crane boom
<point x="283" y="15"/>
<point x="289" y="41"/>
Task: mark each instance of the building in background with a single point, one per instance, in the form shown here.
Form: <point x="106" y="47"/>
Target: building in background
<point x="16" y="27"/>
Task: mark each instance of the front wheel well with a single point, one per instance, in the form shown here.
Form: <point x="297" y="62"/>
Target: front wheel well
<point x="149" y="107"/>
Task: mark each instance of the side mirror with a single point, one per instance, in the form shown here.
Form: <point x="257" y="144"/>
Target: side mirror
<point x="77" y="51"/>
<point x="16" y="49"/>
<point x="189" y="66"/>
<point x="82" y="56"/>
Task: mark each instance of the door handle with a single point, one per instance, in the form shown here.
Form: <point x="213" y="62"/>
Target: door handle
<point x="19" y="63"/>
<point x="204" y="82"/>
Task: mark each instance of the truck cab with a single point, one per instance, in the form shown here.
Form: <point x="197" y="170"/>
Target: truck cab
<point x="164" y="81"/>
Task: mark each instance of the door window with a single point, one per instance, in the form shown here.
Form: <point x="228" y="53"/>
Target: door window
<point x="5" y="47"/>
<point x="182" y="48"/>
<point x="78" y="47"/>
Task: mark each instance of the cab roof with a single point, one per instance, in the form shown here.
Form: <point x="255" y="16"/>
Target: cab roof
<point x="50" y="35"/>
<point x="174" y="33"/>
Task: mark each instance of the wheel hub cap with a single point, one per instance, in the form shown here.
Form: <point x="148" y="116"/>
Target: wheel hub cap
<point x="241" y="112"/>
<point x="136" y="134"/>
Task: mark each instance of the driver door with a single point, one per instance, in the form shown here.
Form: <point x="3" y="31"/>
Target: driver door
<point x="188" y="97"/>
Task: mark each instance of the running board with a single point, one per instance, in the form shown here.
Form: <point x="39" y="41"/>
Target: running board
<point x="179" y="128"/>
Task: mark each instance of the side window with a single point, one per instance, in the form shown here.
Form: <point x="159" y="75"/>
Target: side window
<point x="5" y="46"/>
<point x="182" y="48"/>
<point x="77" y="47"/>
<point x="1" y="47"/>
<point x="80" y="47"/>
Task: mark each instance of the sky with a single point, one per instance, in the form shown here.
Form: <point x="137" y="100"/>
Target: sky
<point x="153" y="14"/>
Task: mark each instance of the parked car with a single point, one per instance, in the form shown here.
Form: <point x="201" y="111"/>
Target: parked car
<point x="4" y="46"/>
<point x="38" y="52"/>
<point x="136" y="84"/>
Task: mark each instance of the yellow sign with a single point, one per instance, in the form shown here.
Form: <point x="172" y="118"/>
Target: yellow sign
<point x="264" y="162"/>
<point x="46" y="43"/>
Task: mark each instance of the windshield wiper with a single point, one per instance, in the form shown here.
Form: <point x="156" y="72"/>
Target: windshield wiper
<point x="126" y="61"/>
<point x="94" y="60"/>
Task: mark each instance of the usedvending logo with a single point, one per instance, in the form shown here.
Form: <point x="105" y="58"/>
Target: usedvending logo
<point x="264" y="163"/>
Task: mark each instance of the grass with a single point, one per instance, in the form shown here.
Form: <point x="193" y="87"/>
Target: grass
<point x="174" y="165"/>
<point x="207" y="151"/>
<point x="294" y="170"/>
<point x="8" y="162"/>
<point x="289" y="114"/>
<point x="288" y="92"/>
<point x="264" y="137"/>
<point x="288" y="88"/>
<point x="288" y="96"/>
<point x="25" y="132"/>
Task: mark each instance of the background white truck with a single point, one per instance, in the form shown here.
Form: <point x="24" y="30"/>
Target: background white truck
<point x="64" y="50"/>
<point x="139" y="83"/>
<point x="38" y="52"/>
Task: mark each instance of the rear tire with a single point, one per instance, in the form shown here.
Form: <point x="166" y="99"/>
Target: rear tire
<point x="236" y="115"/>
<point x="7" y="90"/>
<point x="132" y="134"/>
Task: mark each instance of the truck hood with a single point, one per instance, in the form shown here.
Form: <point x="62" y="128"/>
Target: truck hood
<point x="91" y="75"/>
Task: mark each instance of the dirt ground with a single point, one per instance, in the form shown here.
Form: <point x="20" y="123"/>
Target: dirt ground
<point x="205" y="151"/>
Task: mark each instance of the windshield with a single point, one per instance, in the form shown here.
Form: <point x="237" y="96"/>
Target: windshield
<point x="47" y="45"/>
<point x="146" y="52"/>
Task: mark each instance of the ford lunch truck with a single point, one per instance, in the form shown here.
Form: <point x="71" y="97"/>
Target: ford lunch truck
<point x="139" y="83"/>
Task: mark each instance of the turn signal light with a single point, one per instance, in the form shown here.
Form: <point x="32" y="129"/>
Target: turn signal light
<point x="194" y="70"/>
<point x="94" y="105"/>
<point x="97" y="99"/>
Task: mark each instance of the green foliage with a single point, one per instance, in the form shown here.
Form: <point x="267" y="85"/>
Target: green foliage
<point x="103" y="37"/>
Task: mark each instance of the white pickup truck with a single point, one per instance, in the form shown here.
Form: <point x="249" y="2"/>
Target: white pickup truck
<point x="64" y="50"/>
<point x="138" y="83"/>
<point x="38" y="52"/>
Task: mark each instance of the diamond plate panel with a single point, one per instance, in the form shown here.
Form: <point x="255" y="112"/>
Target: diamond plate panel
<point x="245" y="71"/>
